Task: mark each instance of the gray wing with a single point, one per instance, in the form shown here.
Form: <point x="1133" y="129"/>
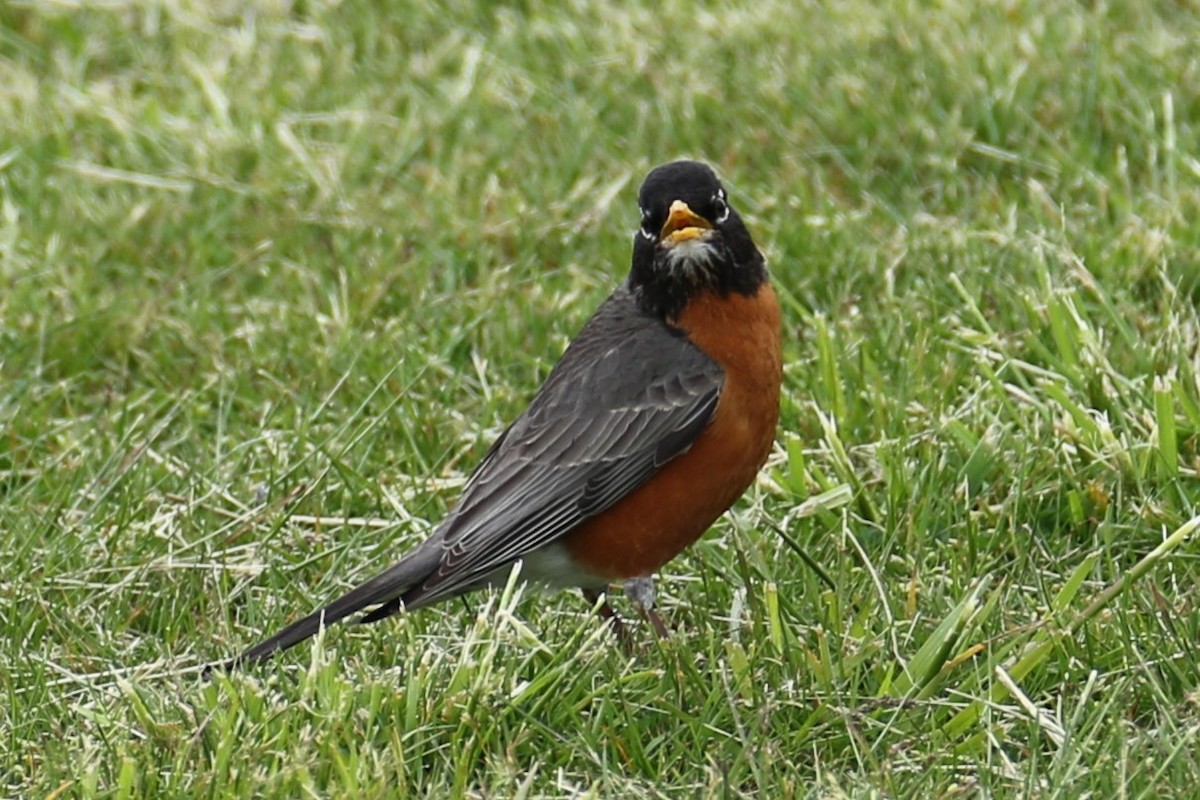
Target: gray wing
<point x="628" y="395"/>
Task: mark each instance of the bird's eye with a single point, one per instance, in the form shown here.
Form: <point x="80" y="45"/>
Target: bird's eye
<point x="646" y="230"/>
<point x="720" y="207"/>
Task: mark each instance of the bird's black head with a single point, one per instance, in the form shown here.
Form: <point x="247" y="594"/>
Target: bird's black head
<point x="690" y="239"/>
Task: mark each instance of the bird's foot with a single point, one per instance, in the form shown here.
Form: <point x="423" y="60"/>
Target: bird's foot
<point x="641" y="593"/>
<point x="614" y="619"/>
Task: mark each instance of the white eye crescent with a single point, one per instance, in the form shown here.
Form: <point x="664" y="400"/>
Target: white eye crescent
<point x="644" y="231"/>
<point x="721" y="206"/>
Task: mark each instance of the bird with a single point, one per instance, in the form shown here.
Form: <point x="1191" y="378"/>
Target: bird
<point x="657" y="417"/>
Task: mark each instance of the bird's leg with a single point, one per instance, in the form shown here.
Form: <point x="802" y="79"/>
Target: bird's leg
<point x="641" y="592"/>
<point x="606" y="612"/>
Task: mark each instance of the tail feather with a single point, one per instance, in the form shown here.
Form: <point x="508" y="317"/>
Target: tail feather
<point x="387" y="587"/>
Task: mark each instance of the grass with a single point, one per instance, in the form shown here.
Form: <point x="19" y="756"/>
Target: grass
<point x="272" y="276"/>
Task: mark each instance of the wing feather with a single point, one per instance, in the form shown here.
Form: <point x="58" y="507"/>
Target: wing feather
<point x="629" y="395"/>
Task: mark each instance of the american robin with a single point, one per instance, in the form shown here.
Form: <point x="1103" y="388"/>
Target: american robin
<point x="654" y="421"/>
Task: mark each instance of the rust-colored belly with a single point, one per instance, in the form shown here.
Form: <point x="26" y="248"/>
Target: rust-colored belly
<point x="673" y="509"/>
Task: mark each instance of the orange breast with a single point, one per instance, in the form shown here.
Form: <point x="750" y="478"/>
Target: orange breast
<point x="675" y="507"/>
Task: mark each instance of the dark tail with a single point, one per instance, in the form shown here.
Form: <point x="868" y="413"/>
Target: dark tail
<point x="387" y="588"/>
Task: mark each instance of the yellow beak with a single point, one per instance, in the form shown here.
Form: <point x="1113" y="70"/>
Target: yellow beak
<point x="683" y="224"/>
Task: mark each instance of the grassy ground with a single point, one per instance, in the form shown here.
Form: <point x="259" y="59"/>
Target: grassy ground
<point x="272" y="276"/>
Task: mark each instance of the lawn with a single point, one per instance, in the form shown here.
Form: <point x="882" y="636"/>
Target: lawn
<point x="274" y="275"/>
